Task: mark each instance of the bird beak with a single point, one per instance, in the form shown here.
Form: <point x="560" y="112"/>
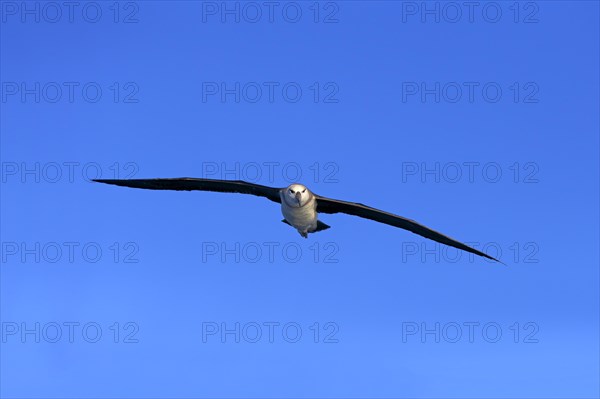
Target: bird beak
<point x="298" y="196"/>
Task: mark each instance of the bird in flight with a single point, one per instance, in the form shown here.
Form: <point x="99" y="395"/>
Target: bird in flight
<point x="299" y="205"/>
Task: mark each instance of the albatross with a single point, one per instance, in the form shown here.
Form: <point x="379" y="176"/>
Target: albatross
<point x="299" y="205"/>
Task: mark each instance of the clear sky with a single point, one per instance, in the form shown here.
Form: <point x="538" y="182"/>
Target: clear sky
<point x="479" y="120"/>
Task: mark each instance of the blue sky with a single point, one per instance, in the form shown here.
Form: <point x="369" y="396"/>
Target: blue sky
<point x="479" y="122"/>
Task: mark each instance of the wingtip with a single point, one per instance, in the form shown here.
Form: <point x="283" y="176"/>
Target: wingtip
<point x="106" y="181"/>
<point x="483" y="254"/>
<point x="496" y="260"/>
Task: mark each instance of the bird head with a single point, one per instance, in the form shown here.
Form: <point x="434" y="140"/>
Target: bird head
<point x="296" y="195"/>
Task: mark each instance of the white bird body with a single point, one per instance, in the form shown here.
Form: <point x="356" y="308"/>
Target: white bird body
<point x="303" y="218"/>
<point x="299" y="208"/>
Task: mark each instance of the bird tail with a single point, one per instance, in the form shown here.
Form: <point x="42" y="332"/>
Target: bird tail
<point x="321" y="226"/>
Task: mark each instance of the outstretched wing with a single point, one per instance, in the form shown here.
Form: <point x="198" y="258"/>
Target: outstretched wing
<point x="190" y="183"/>
<point x="328" y="205"/>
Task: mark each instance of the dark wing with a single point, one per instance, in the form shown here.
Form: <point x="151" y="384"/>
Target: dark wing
<point x="328" y="205"/>
<point x="190" y="183"/>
